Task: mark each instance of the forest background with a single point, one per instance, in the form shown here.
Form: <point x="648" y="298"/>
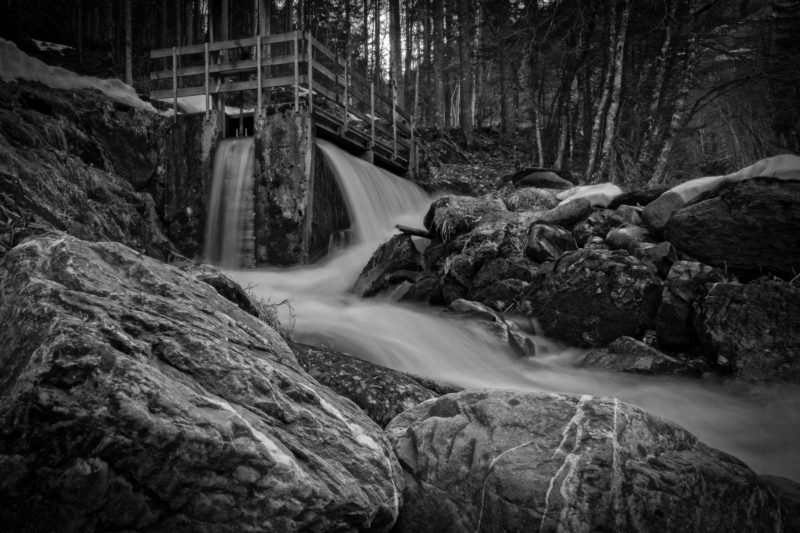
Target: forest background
<point x="638" y="92"/>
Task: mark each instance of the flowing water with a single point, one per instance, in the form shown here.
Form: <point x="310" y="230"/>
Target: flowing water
<point x="760" y="425"/>
<point x="230" y="206"/>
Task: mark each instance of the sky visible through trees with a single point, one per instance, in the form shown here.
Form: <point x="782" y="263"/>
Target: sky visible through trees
<point x="633" y="91"/>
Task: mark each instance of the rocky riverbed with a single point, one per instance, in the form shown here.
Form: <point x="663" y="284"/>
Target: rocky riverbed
<point x="139" y="395"/>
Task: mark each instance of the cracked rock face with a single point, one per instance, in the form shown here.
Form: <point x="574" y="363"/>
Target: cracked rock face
<point x="511" y="461"/>
<point x="134" y="397"/>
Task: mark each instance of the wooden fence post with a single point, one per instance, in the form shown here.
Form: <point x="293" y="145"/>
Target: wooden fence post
<point x="296" y="75"/>
<point x="175" y="84"/>
<point x="310" y="52"/>
<point x="258" y="73"/>
<point x="394" y="119"/>
<point x="372" y="113"/>
<point x="205" y="52"/>
<point x="346" y="95"/>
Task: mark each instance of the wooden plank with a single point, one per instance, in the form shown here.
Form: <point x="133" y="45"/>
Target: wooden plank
<point x="325" y="72"/>
<point x="222" y="45"/>
<point x="284" y="81"/>
<point x="233" y="67"/>
<point x="324" y="49"/>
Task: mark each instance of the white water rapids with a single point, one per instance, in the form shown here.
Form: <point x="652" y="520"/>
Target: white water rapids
<point x="759" y="425"/>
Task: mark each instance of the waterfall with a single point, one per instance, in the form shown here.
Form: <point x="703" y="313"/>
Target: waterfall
<point x="760" y="425"/>
<point x="374" y="197"/>
<point x="230" y="209"/>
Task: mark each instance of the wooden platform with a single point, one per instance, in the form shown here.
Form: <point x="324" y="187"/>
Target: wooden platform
<point x="344" y="105"/>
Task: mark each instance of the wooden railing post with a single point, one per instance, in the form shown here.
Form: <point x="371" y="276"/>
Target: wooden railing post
<point x="310" y="51"/>
<point x="296" y="75"/>
<point x="346" y="95"/>
<point x="258" y="73"/>
<point x="205" y="52"/>
<point x="175" y="84"/>
<point x="372" y="114"/>
<point x="394" y="119"/>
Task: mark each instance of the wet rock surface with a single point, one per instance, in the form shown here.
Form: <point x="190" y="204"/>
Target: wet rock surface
<point x="635" y="357"/>
<point x="748" y="226"/>
<point x="510" y="461"/>
<point x="75" y="161"/>
<point x="592" y="297"/>
<point x="381" y="392"/>
<point x="752" y="328"/>
<point x="397" y="254"/>
<point x="134" y="397"/>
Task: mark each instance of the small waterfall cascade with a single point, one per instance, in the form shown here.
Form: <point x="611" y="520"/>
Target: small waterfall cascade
<point x="230" y="225"/>
<point x="375" y="198"/>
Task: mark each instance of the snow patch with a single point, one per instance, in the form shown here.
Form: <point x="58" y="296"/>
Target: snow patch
<point x="785" y="167"/>
<point x="18" y="65"/>
<point x="600" y="194"/>
<point x="46" y="46"/>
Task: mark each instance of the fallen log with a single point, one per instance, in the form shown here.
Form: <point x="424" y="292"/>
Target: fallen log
<point x="414" y="232"/>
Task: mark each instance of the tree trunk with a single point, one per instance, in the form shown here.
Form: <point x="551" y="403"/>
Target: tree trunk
<point x="438" y="63"/>
<point x="396" y="51"/>
<point x="465" y="37"/>
<point x="178" y="25"/>
<point x="657" y="100"/>
<point x="376" y="45"/>
<point x="164" y="4"/>
<point x="607" y="161"/>
<point x="679" y="114"/>
<point x="427" y="108"/>
<point x="189" y="26"/>
<point x="600" y="114"/>
<point x="128" y="45"/>
<point x="508" y="115"/>
<point x="409" y="30"/>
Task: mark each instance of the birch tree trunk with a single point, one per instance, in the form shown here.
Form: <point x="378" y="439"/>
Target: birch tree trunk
<point x="679" y="114"/>
<point x="128" y="45"/>
<point x="607" y="160"/>
<point x="600" y="113"/>
<point x="657" y="100"/>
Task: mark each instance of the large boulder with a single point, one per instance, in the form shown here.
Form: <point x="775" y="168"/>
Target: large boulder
<point x="530" y="199"/>
<point x="546" y="242"/>
<point x="568" y="213"/>
<point x="504" y="330"/>
<point x="451" y="216"/>
<point x="381" y="392"/>
<point x="397" y="254"/>
<point x="686" y="282"/>
<point x="747" y="226"/>
<point x="753" y="328"/>
<point x="134" y="397"/>
<point x="635" y="357"/>
<point x="788" y="493"/>
<point x="75" y="161"/>
<point x="512" y="461"/>
<point x="598" y="224"/>
<point x="591" y="297"/>
<point x="657" y="213"/>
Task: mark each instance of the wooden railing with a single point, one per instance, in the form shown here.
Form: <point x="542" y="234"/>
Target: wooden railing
<point x="341" y="100"/>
